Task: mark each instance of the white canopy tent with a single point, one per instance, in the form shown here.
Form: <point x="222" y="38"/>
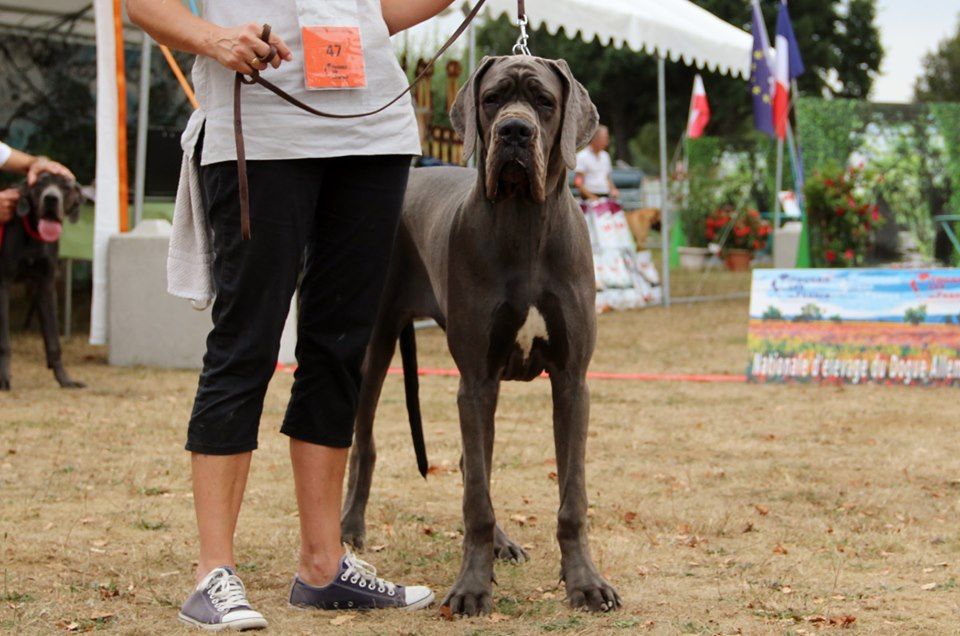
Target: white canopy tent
<point x="670" y="29"/>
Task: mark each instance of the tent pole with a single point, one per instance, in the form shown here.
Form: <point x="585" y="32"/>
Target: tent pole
<point x="664" y="184"/>
<point x="143" y="121"/>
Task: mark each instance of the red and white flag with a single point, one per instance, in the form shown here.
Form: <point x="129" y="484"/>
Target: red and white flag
<point x="781" y="90"/>
<point x="699" y="110"/>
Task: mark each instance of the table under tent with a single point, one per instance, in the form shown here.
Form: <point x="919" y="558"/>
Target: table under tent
<point x="675" y="30"/>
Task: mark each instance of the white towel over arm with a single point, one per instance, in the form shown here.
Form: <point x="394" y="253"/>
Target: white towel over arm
<point x="190" y="257"/>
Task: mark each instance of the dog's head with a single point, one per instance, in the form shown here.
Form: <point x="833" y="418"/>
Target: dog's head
<point x="530" y="116"/>
<point x="49" y="202"/>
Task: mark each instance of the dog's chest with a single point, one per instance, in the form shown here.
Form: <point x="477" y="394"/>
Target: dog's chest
<point x="524" y="340"/>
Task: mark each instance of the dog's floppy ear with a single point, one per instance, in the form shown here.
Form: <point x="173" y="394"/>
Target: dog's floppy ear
<point x="463" y="115"/>
<point x="24" y="203"/>
<point x="580" y="118"/>
<point x="76" y="198"/>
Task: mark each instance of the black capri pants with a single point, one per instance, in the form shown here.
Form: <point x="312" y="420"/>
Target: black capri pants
<point x="338" y="218"/>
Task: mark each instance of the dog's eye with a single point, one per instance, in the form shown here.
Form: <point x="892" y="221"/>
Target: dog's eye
<point x="544" y="102"/>
<point x="491" y="99"/>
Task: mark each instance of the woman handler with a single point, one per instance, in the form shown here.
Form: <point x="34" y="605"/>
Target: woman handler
<point x="327" y="190"/>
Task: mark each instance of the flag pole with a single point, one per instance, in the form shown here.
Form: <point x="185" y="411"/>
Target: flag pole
<point x="664" y="180"/>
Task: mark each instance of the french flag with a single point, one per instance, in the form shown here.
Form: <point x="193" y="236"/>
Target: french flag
<point x="788" y="66"/>
<point x="699" y="110"/>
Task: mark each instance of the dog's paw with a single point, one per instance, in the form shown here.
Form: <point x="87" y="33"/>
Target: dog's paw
<point x="596" y="596"/>
<point x="469" y="599"/>
<point x="353" y="536"/>
<point x="506" y="550"/>
<point x="72" y="384"/>
<point x="4" y="384"/>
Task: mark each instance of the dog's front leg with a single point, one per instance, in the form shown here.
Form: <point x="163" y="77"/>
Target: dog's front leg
<point x="571" y="414"/>
<point x="472" y="594"/>
<point x="47" y="302"/>
<point x="4" y="336"/>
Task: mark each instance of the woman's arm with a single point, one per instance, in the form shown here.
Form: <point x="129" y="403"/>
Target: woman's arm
<point x="33" y="167"/>
<point x="170" y="23"/>
<point x="403" y="14"/>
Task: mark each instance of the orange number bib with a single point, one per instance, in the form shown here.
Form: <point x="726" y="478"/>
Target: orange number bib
<point x="333" y="57"/>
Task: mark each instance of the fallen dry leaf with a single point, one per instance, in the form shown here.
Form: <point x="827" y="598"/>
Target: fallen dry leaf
<point x="342" y="619"/>
<point x="630" y="517"/>
<point x="928" y="586"/>
<point x="763" y="510"/>
<point x="779" y="549"/>
<point x="498" y="618"/>
<point x="427" y="530"/>
<point x="445" y="613"/>
<point x="552" y="475"/>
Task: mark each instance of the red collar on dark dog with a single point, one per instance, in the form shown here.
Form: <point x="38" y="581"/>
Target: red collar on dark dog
<point x="32" y="233"/>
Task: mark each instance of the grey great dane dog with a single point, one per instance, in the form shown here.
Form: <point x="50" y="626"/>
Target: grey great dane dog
<point x="29" y="250"/>
<point x="500" y="258"/>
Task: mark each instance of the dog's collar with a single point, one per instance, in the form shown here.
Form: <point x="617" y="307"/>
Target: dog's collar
<point x="32" y="233"/>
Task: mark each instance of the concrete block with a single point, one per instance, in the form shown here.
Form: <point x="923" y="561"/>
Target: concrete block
<point x="148" y="326"/>
<point x="786" y="245"/>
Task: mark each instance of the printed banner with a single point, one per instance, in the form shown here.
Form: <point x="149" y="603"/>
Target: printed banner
<point x="855" y="326"/>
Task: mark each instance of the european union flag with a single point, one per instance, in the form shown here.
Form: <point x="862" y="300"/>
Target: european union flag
<point x="761" y="79"/>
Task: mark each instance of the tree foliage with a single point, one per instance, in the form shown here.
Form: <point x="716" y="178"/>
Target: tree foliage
<point x="939" y="80"/>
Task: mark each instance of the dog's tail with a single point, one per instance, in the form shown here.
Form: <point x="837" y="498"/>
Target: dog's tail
<point x="411" y="387"/>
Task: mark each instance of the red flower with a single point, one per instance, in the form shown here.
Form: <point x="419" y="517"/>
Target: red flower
<point x="849" y="255"/>
<point x="756" y="245"/>
<point x="829" y="183"/>
<point x="876" y="214"/>
<point x="711" y="234"/>
<point x="831" y="256"/>
<point x="840" y="211"/>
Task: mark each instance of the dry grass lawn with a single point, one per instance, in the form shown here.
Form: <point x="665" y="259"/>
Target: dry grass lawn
<point x="715" y="508"/>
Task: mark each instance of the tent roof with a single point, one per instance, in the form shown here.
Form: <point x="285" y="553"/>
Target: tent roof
<point x="676" y="29"/>
<point x="32" y="17"/>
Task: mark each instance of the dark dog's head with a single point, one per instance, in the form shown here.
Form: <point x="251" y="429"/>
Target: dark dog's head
<point x="531" y="116"/>
<point x="49" y="202"/>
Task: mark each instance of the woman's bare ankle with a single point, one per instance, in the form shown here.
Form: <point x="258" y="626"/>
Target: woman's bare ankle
<point x="318" y="569"/>
<point x="206" y="566"/>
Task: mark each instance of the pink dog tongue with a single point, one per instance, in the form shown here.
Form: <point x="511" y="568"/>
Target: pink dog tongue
<point x="49" y="230"/>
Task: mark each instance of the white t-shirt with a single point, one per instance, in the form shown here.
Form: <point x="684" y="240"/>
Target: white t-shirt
<point x="5" y="152"/>
<point x="596" y="169"/>
<point x="274" y="129"/>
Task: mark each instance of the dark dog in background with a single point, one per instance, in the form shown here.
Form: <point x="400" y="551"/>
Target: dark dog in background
<point x="500" y="257"/>
<point x="29" y="251"/>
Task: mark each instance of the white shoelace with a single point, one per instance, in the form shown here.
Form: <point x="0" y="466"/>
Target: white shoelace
<point x="358" y="570"/>
<point x="226" y="591"/>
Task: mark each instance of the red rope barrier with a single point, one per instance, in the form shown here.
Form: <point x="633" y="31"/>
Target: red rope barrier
<point x="710" y="378"/>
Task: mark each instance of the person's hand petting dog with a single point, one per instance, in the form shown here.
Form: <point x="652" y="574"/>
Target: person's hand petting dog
<point x="8" y="203"/>
<point x="42" y="165"/>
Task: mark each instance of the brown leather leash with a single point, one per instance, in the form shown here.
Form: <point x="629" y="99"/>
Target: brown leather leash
<point x="255" y="78"/>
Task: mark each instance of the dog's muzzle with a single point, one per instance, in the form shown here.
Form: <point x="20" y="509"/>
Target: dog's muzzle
<point x="515" y="165"/>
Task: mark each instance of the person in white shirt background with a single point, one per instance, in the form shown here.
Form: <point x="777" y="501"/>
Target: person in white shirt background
<point x="12" y="160"/>
<point x="594" y="168"/>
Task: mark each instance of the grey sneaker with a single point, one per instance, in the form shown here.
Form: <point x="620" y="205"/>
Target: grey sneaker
<point x="220" y="603"/>
<point x="357" y="586"/>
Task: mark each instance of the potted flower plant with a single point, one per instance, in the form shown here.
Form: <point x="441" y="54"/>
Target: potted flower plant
<point x="843" y="215"/>
<point x="742" y="234"/>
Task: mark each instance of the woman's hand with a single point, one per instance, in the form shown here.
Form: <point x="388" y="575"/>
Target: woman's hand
<point x="238" y="48"/>
<point x="8" y="203"/>
<point x="42" y="165"/>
